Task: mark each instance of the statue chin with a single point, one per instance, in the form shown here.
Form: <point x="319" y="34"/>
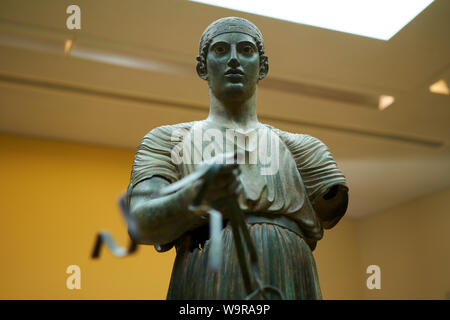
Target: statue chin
<point x="234" y="92"/>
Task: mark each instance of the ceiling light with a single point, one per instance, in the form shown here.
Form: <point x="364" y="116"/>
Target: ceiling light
<point x="440" y="87"/>
<point x="67" y="46"/>
<point x="385" y="101"/>
<point x="379" y="19"/>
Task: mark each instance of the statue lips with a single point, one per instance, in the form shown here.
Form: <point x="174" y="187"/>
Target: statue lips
<point x="235" y="75"/>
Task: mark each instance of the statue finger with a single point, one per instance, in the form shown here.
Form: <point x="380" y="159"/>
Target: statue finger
<point x="222" y="181"/>
<point x="228" y="168"/>
<point x="233" y="187"/>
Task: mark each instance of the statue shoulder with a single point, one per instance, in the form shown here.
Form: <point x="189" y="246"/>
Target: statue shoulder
<point x="167" y="135"/>
<point x="154" y="153"/>
<point x="297" y="141"/>
<point x="167" y="131"/>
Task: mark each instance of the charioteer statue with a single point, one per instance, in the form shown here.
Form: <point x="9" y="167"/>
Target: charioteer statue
<point x="284" y="188"/>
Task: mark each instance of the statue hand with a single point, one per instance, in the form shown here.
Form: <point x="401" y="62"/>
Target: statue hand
<point x="225" y="185"/>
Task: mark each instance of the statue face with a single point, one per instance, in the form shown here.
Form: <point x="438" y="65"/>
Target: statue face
<point x="232" y="66"/>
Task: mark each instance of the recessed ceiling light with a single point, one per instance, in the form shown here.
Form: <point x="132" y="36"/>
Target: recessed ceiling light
<point x="379" y="19"/>
<point x="385" y="101"/>
<point x="440" y="87"/>
<point x="67" y="46"/>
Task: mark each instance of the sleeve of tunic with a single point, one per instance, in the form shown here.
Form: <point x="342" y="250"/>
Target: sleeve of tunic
<point x="153" y="157"/>
<point x="320" y="174"/>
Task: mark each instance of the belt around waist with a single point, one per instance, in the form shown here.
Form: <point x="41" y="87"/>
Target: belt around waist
<point x="276" y="219"/>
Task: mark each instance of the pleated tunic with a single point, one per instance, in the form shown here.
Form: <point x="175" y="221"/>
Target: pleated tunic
<point x="298" y="172"/>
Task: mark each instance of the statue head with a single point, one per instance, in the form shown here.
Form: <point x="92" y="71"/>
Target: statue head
<point x="231" y="58"/>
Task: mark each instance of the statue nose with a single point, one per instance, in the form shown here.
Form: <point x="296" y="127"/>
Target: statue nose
<point x="233" y="62"/>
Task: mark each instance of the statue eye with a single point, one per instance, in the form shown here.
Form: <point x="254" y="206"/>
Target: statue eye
<point x="248" y="50"/>
<point x="219" y="49"/>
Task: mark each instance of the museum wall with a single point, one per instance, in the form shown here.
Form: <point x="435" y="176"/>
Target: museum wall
<point x="411" y="244"/>
<point x="338" y="262"/>
<point x="57" y="195"/>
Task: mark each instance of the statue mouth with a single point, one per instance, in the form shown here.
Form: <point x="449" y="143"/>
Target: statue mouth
<point x="234" y="75"/>
<point x="234" y="72"/>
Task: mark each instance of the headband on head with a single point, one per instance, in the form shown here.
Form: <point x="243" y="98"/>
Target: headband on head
<point x="227" y="25"/>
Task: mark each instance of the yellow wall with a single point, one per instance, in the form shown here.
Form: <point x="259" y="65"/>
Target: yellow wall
<point x="338" y="262"/>
<point x="411" y="244"/>
<point x="55" y="196"/>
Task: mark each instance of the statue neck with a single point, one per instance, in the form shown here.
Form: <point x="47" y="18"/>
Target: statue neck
<point x="233" y="114"/>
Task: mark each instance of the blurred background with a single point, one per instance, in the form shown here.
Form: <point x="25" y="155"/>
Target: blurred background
<point x="74" y="105"/>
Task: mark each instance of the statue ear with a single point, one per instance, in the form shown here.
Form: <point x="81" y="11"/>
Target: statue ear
<point x="264" y="67"/>
<point x="201" y="68"/>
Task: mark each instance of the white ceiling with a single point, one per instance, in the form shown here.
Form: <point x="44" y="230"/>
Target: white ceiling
<point x="389" y="157"/>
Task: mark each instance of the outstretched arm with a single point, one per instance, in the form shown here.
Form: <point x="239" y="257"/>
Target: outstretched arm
<point x="162" y="219"/>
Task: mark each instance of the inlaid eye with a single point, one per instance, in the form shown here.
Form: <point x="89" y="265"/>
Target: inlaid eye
<point x="248" y="50"/>
<point x="219" y="49"/>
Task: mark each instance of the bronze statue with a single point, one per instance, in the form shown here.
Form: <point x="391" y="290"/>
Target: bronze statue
<point x="287" y="185"/>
